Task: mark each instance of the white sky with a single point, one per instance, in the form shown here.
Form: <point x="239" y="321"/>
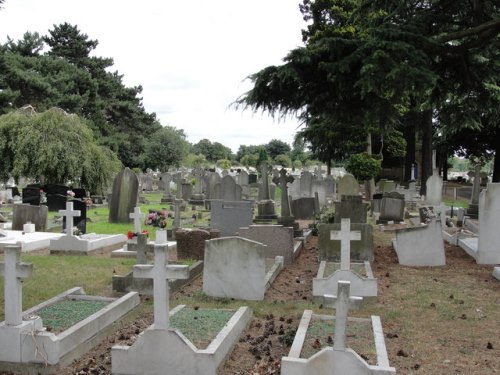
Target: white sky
<point x="190" y="56"/>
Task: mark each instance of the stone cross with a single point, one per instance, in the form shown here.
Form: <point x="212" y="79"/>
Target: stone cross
<point x="345" y="236"/>
<point x="14" y="271"/>
<point x="476" y="186"/>
<point x="69" y="213"/>
<point x="342" y="302"/>
<point x="265" y="182"/>
<point x="161" y="272"/>
<point x="138" y="218"/>
<point x="282" y="181"/>
<point x="178" y="183"/>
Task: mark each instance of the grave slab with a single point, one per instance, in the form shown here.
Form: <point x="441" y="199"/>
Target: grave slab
<point x="496" y="273"/>
<point x="29" y="242"/>
<point x="420" y="246"/>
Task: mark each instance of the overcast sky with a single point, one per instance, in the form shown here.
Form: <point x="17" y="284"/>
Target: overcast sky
<point x="190" y="56"/>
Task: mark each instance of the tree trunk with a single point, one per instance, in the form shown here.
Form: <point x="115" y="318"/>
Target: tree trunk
<point x="409" y="134"/>
<point x="426" y="167"/>
<point x="496" y="160"/>
<point x="370" y="184"/>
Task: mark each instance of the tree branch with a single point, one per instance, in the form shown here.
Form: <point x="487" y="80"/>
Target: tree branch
<point x="485" y="27"/>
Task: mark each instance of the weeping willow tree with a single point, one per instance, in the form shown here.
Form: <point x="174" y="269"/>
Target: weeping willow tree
<point x="54" y="147"/>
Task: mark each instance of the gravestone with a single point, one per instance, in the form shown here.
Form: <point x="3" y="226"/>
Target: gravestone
<point x="473" y="209"/>
<point x="352" y="207"/>
<point x="360" y="250"/>
<point x="252" y="178"/>
<point x="348" y="185"/>
<point x="138" y="217"/>
<point x="228" y="189"/>
<point x="376" y="202"/>
<point x="283" y="180"/>
<point x="392" y="207"/>
<point x="57" y="195"/>
<point x="124" y="196"/>
<point x="234" y="267"/>
<point x="426" y="214"/>
<point x="186" y="190"/>
<point x="277" y="238"/>
<point x="79" y="221"/>
<point x="434" y="186"/>
<point x="265" y="206"/>
<point x="303" y="208"/>
<point x="228" y="216"/>
<point x="31" y="196"/>
<point x="489" y="233"/>
<point x="306" y="180"/>
<point x="24" y="213"/>
<point x="191" y="242"/>
<point x="167" y="195"/>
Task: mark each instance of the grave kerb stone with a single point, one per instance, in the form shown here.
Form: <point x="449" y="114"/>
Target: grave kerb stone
<point x="345" y="236"/>
<point x="342" y="302"/>
<point x="161" y="272"/>
<point x="14" y="272"/>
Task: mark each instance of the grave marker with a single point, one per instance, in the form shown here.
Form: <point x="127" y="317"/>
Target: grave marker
<point x="161" y="272"/>
<point x="342" y="302"/>
<point x="138" y="217"/>
<point x="69" y="214"/>
<point x="345" y="236"/>
<point x="14" y="272"/>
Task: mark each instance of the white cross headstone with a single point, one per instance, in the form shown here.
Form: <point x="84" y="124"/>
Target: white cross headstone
<point x="138" y="217"/>
<point x="342" y="302"/>
<point x="161" y="272"/>
<point x="69" y="213"/>
<point x="14" y="271"/>
<point x="345" y="236"/>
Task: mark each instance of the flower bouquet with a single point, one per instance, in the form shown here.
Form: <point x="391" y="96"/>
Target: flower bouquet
<point x="157" y="219"/>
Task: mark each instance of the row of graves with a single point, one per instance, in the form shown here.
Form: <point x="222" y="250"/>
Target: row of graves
<point x="237" y="249"/>
<point x="238" y="255"/>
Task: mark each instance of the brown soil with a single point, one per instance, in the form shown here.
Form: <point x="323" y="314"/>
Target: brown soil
<point x="442" y="320"/>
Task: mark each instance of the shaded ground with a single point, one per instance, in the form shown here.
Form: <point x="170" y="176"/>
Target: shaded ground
<point x="442" y="320"/>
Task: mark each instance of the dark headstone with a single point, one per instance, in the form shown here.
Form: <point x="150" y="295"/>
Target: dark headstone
<point x="360" y="250"/>
<point x="31" y="195"/>
<point x="79" y="193"/>
<point x="351" y="207"/>
<point x="252" y="178"/>
<point x="57" y="195"/>
<point x="15" y="191"/>
<point x="191" y="242"/>
<point x="303" y="208"/>
<point x="392" y="207"/>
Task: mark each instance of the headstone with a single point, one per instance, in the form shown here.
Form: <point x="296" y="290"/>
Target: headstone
<point x="286" y="212"/>
<point x="303" y="208"/>
<point x="79" y="221"/>
<point x="124" y="197"/>
<point x="234" y="267"/>
<point x="57" y="195"/>
<point x="161" y="272"/>
<point x="392" y="207"/>
<point x="360" y="250"/>
<point x="138" y="217"/>
<point x="14" y="272"/>
<point x="186" y="190"/>
<point x="228" y="216"/>
<point x="23" y="213"/>
<point x="306" y="184"/>
<point x="191" y="242"/>
<point x="69" y="213"/>
<point x="31" y="196"/>
<point x="166" y="178"/>
<point x="277" y="238"/>
<point x="489" y="233"/>
<point x="252" y="178"/>
<point x="352" y="207"/>
<point x="228" y="190"/>
<point x="434" y="186"/>
<point x="342" y="302"/>
<point x="473" y="209"/>
<point x="345" y="236"/>
<point x="348" y="185"/>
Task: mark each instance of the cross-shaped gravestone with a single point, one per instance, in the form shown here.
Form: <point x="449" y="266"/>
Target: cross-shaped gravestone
<point x="138" y="216"/>
<point x="282" y="181"/>
<point x="14" y="271"/>
<point x="161" y="272"/>
<point x="69" y="214"/>
<point x="342" y="302"/>
<point x="178" y="186"/>
<point x="177" y="214"/>
<point x="345" y="236"/>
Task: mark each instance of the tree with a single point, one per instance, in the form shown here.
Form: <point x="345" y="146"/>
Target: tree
<point x="54" y="147"/>
<point x="166" y="148"/>
<point x="276" y="147"/>
<point x="212" y="151"/>
<point x="283" y="160"/>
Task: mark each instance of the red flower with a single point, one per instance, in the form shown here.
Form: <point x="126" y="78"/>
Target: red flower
<point x="130" y="235"/>
<point x="145" y="232"/>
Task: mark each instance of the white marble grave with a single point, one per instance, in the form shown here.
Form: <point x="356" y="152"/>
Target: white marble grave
<point x="161" y="347"/>
<point x="339" y="359"/>
<point x="360" y="285"/>
<point x="25" y="342"/>
<point x="84" y="244"/>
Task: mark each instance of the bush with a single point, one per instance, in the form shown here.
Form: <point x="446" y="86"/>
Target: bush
<point x="364" y="166"/>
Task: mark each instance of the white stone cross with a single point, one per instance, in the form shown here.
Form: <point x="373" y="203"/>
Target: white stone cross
<point x="342" y="302"/>
<point x="14" y="271"/>
<point x="161" y="272"/>
<point x="69" y="213"/>
<point x="345" y="236"/>
<point x="138" y="218"/>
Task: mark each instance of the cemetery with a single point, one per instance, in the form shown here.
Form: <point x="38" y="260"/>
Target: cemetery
<point x="271" y="260"/>
<point x="145" y="230"/>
